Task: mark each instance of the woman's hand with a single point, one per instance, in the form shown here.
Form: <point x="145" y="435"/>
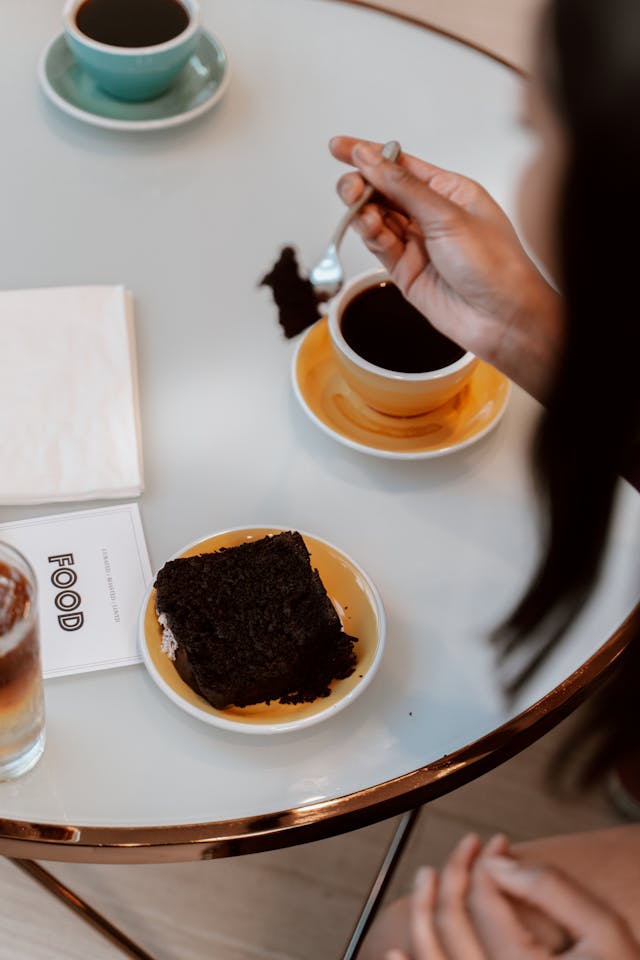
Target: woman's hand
<point x="485" y="905"/>
<point x="455" y="255"/>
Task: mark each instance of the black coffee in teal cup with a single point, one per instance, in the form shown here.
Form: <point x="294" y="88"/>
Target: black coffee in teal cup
<point x="132" y="49"/>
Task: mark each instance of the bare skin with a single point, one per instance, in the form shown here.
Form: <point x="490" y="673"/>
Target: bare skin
<point x="456" y="256"/>
<point x="540" y="900"/>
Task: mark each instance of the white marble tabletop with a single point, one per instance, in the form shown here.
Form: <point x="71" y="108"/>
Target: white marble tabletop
<point x="189" y="219"/>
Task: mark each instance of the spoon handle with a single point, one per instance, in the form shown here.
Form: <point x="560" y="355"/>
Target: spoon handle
<point x="390" y="151"/>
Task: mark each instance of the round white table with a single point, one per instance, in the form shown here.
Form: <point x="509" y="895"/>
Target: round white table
<point x="190" y="219"/>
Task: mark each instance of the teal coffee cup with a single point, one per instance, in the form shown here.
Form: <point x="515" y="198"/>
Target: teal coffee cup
<point x="133" y="49"/>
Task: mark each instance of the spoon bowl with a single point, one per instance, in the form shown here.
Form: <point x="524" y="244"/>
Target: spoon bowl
<point x="327" y="276"/>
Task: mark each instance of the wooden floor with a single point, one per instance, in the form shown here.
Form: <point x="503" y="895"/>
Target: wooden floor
<point x="297" y="904"/>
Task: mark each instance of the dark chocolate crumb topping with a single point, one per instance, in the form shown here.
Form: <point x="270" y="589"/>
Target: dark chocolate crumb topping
<point x="294" y="295"/>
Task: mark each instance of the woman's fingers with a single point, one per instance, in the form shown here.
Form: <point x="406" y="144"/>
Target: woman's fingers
<point x="399" y="248"/>
<point x="388" y="232"/>
<point x="380" y="237"/>
<point x="470" y="911"/>
<point x="350" y="187"/>
<point x="545" y="930"/>
<point x="403" y="253"/>
<point x="498" y="926"/>
<point x="396" y="181"/>
<point x="342" y="149"/>
<point x="497" y="846"/>
<point x="452" y="918"/>
<point x="437" y="210"/>
<point x="424" y="938"/>
<point x="548" y="890"/>
<point x="585" y="918"/>
<point x="461" y="192"/>
<point x="442" y="927"/>
<point x="436" y="215"/>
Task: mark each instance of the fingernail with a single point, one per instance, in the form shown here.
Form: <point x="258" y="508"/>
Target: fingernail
<point x="363" y="153"/>
<point x="469" y="839"/>
<point x="369" y="219"/>
<point x="466" y="844"/>
<point x="498" y="843"/>
<point x="422" y="878"/>
<point x="346" y="191"/>
<point x="501" y="865"/>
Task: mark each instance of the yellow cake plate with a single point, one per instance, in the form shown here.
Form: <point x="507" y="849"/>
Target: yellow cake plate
<point x="341" y="413"/>
<point x="357" y="603"/>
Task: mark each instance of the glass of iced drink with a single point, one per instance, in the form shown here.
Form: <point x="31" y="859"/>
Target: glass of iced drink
<point x="21" y="695"/>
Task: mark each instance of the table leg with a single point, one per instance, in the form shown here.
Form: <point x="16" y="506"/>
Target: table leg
<point x="381" y="882"/>
<point x="116" y="936"/>
<point x="86" y="912"/>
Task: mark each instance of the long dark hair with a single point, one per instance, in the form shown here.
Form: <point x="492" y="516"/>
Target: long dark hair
<point x="589" y="432"/>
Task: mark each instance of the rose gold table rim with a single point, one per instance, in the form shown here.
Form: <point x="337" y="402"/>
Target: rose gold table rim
<point x="206" y="841"/>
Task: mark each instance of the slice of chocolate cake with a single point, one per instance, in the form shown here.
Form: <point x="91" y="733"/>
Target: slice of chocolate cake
<point x="252" y="623"/>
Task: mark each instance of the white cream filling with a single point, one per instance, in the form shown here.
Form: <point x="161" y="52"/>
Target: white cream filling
<point x="169" y="643"/>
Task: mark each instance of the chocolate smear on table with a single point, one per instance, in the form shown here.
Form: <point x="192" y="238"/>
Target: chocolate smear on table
<point x="295" y="298"/>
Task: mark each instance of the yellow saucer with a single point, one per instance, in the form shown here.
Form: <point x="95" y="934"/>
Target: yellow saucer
<point x="336" y="409"/>
<point x="356" y="601"/>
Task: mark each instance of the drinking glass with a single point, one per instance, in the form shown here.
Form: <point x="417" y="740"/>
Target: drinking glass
<point x="21" y="695"/>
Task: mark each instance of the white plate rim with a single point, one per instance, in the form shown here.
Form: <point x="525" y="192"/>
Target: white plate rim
<point x="110" y="123"/>
<point x="266" y="728"/>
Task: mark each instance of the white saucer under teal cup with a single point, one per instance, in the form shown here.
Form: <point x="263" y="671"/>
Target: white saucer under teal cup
<point x="199" y="85"/>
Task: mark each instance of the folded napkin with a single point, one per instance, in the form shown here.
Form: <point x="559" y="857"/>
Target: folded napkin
<point x="69" y="416"/>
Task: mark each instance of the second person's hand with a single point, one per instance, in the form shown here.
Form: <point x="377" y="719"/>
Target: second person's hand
<point x="480" y="906"/>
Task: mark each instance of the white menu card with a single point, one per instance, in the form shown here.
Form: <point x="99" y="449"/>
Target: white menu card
<point x="93" y="570"/>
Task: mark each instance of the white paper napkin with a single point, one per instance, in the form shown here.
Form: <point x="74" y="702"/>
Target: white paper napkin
<point x="69" y="415"/>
